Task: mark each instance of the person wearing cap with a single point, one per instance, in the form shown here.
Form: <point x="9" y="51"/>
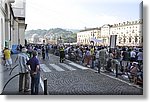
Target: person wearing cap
<point x="24" y="77"/>
<point x="34" y="73"/>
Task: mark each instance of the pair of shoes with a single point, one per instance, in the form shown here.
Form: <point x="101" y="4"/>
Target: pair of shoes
<point x="27" y="90"/>
<point x="20" y="90"/>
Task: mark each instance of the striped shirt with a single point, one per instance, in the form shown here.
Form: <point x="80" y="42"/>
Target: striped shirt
<point x="23" y="58"/>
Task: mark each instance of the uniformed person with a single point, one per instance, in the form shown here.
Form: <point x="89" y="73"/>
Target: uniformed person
<point x="62" y="54"/>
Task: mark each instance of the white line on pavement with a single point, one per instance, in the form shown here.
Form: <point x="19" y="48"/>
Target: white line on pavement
<point x="45" y="68"/>
<point x="66" y="66"/>
<point x="79" y="66"/>
<point x="56" y="67"/>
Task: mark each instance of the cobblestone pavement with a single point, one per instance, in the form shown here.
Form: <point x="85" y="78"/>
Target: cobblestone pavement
<point x="70" y="78"/>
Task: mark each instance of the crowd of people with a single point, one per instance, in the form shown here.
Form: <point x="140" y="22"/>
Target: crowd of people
<point x="128" y="59"/>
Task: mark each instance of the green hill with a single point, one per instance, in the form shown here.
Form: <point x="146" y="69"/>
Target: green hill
<point x="67" y="36"/>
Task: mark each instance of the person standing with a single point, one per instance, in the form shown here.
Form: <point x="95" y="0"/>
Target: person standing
<point x="43" y="52"/>
<point x="103" y="54"/>
<point x="92" y="51"/>
<point x="140" y="57"/>
<point x="7" y="56"/>
<point x="62" y="54"/>
<point x="125" y="59"/>
<point x="24" y="77"/>
<point x="133" y="56"/>
<point x="30" y="50"/>
<point x="34" y="65"/>
<point x="87" y="57"/>
<point x="47" y="51"/>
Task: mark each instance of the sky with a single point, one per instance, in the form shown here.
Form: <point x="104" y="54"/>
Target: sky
<point x="78" y="14"/>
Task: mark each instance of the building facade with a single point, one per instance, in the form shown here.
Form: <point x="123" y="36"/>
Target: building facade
<point x="105" y="34"/>
<point x="19" y="8"/>
<point x="2" y="24"/>
<point x="128" y="34"/>
<point x="84" y="36"/>
<point x="12" y="25"/>
<point x="6" y="23"/>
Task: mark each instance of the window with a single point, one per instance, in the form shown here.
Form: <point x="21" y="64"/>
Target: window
<point x="120" y="40"/>
<point x="136" y="38"/>
<point x="132" y="31"/>
<point x="124" y="38"/>
<point x="130" y="39"/>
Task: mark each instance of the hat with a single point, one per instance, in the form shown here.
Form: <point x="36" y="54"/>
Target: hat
<point x="24" y="50"/>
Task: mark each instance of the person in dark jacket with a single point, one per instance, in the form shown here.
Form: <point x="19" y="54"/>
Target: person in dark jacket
<point x="43" y="52"/>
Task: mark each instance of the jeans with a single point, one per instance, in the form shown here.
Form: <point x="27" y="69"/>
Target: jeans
<point x="47" y="56"/>
<point x="35" y="80"/>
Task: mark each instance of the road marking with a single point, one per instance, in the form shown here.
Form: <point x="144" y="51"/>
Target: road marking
<point x="56" y="67"/>
<point x="79" y="66"/>
<point x="67" y="66"/>
<point x="45" y="68"/>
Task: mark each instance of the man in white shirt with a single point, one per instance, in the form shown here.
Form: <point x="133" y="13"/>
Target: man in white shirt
<point x="132" y="56"/>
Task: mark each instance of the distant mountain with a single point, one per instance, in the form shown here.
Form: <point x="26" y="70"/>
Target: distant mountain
<point x="54" y="33"/>
<point x="74" y="30"/>
<point x="40" y="32"/>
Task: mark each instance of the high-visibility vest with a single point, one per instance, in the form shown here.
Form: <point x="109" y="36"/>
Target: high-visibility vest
<point x="61" y="49"/>
<point x="92" y="51"/>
